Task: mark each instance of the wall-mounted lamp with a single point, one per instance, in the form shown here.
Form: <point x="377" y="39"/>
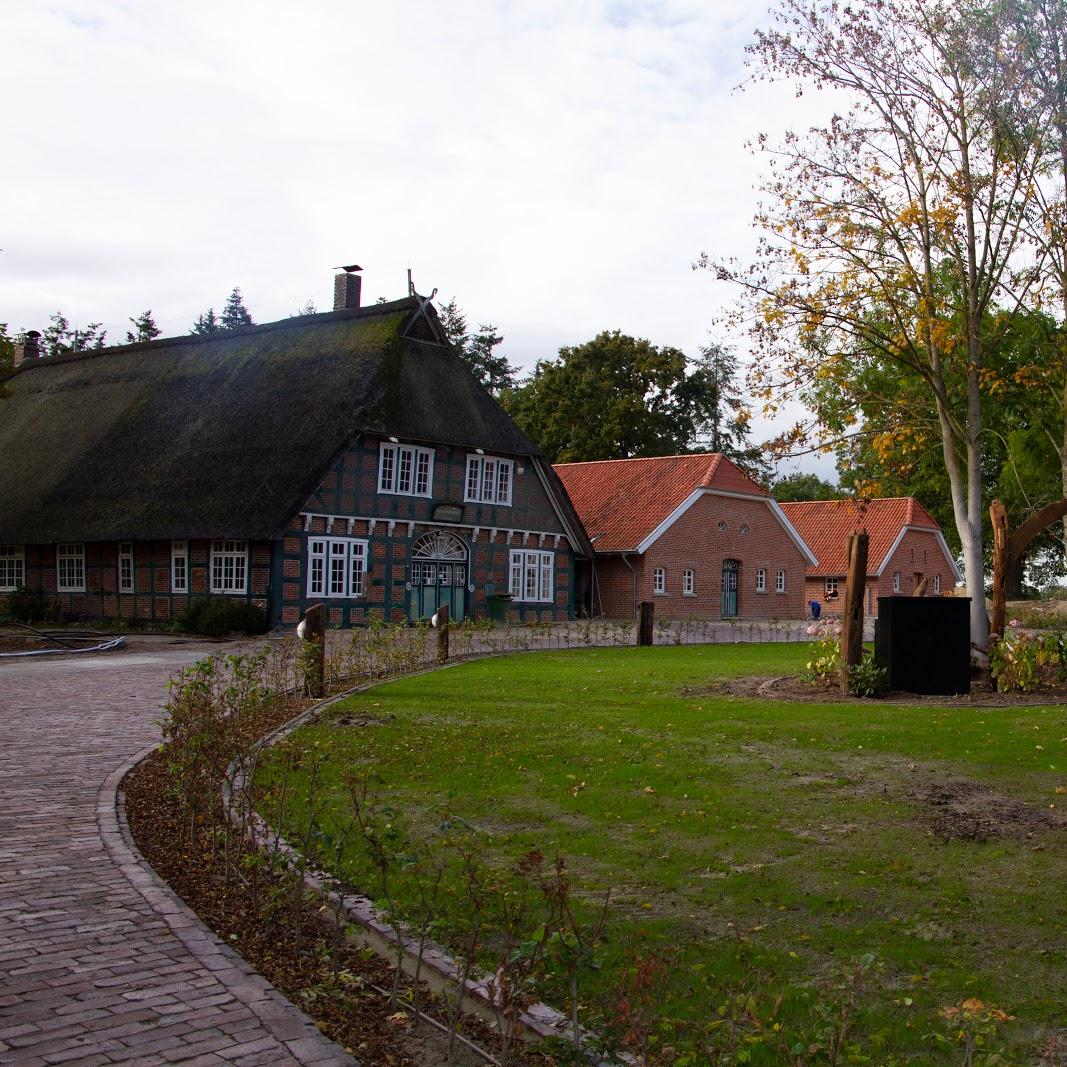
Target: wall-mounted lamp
<point x="395" y="440"/>
<point x="480" y="451"/>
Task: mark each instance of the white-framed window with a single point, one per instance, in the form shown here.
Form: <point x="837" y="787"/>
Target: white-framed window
<point x="779" y="581"/>
<point x="179" y="566"/>
<point x="688" y="585"/>
<point x="761" y="580"/>
<point x="125" y="566"/>
<point x="337" y="567"/>
<point x="659" y="580"/>
<point x="937" y="583"/>
<point x="229" y="566"/>
<point x="896" y="581"/>
<point x="831" y="589"/>
<point x="530" y="575"/>
<point x="489" y="480"/>
<point x="12" y="567"/>
<point x="405" y="470"/>
<point x="70" y="568"/>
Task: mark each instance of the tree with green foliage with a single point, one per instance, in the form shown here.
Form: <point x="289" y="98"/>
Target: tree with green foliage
<point x="7" y="349"/>
<point x="235" y="314"/>
<point x="804" y="486"/>
<point x="917" y="178"/>
<point x="478" y="350"/>
<point x="721" y="415"/>
<point x="615" y="397"/>
<point x="60" y="339"/>
<point x="207" y="323"/>
<point x="144" y="328"/>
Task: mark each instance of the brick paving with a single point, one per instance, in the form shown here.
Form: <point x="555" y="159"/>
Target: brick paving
<point x="99" y="962"/>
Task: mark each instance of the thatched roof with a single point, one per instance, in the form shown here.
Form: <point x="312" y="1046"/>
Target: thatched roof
<point x="226" y="434"/>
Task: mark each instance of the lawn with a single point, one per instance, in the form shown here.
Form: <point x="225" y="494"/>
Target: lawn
<point x="766" y="847"/>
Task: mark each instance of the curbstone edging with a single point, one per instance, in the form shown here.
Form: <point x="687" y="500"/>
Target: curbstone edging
<point x="282" y="1019"/>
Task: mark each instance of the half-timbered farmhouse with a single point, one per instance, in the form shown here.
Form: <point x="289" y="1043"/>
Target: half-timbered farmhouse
<point x="694" y="534"/>
<point x="346" y="458"/>
<point x="905" y="548"/>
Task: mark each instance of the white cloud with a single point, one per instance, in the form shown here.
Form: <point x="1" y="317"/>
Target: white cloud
<point x="555" y="166"/>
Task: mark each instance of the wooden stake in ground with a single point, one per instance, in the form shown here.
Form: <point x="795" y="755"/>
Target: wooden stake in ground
<point x="440" y="621"/>
<point x="852" y="616"/>
<point x="312" y="632"/>
<point x="999" y="517"/>
<point x="645" y="619"/>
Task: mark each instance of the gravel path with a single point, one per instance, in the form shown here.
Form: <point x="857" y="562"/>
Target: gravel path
<point x="99" y="961"/>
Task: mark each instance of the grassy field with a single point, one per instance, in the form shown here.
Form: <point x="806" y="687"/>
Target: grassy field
<point x="765" y="846"/>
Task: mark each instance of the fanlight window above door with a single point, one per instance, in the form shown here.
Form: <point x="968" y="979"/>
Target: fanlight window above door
<point x="439" y="545"/>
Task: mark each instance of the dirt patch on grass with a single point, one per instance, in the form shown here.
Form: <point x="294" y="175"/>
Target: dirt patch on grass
<point x="794" y="689"/>
<point x="964" y="810"/>
<point x="361" y="720"/>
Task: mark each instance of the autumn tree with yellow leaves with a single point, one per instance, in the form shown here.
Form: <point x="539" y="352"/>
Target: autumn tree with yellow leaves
<point x="895" y="229"/>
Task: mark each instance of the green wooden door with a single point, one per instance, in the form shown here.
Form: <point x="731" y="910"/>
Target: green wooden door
<point x="730" y="568"/>
<point x="438" y="577"/>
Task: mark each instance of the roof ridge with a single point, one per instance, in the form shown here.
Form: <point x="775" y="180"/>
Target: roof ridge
<point x="638" y="459"/>
<point x="293" y="321"/>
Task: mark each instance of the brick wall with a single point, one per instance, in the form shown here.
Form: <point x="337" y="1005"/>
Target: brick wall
<point x="152" y="599"/>
<point x="918" y="553"/>
<point x="753" y="536"/>
<point x="391" y="525"/>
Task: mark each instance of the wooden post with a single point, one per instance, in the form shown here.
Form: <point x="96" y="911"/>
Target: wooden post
<point x="313" y="648"/>
<point x="646" y="613"/>
<point x="441" y="623"/>
<point x="852" y="616"/>
<point x="999" y="517"/>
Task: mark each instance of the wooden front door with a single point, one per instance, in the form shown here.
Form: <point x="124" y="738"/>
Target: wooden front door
<point x="438" y="576"/>
<point x="730" y="568"/>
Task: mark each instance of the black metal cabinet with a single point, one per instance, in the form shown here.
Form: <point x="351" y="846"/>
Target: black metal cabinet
<point x="924" y="643"/>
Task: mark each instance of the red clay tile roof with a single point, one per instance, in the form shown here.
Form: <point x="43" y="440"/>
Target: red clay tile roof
<point x="621" y="501"/>
<point x="825" y="524"/>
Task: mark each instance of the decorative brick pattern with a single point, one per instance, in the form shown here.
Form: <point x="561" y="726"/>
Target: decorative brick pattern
<point x="351" y="489"/>
<point x="152" y="599"/>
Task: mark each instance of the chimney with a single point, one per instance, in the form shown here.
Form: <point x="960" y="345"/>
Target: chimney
<point x="28" y="347"/>
<point x="346" y="289"/>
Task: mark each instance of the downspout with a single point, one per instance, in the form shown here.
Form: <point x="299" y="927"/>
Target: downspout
<point x="634" y="573"/>
<point x="592" y="588"/>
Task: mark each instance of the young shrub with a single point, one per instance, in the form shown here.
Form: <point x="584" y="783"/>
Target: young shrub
<point x="30" y="605"/>
<point x="823" y="667"/>
<point x="219" y="616"/>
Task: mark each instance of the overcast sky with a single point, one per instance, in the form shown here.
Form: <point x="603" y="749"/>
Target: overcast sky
<point x="555" y="166"/>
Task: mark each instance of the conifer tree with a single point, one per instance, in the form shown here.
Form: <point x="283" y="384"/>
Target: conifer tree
<point x="144" y="328"/>
<point x="235" y="314"/>
<point x="207" y="323"/>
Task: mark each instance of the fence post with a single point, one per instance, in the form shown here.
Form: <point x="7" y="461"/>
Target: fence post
<point x="312" y="632"/>
<point x="440" y="621"/>
<point x="852" y="617"/>
<point x="646" y="611"/>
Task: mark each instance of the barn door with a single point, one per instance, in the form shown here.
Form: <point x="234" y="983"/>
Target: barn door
<point x="730" y="568"/>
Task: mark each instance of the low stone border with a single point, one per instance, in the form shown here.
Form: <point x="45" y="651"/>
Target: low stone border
<point x="438" y="969"/>
<point x="289" y="1026"/>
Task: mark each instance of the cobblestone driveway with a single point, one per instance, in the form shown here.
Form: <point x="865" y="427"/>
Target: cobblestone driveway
<point x="99" y="962"/>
